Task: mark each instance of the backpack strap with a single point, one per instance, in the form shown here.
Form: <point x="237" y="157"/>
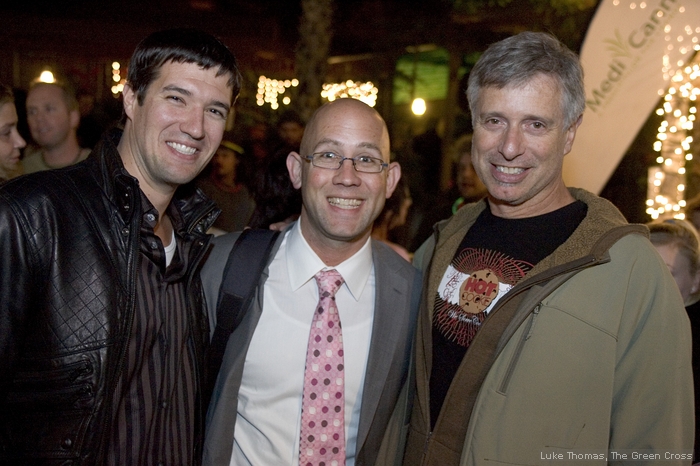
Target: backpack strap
<point x="245" y="264"/>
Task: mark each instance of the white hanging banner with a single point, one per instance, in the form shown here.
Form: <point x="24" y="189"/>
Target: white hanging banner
<point x="631" y="50"/>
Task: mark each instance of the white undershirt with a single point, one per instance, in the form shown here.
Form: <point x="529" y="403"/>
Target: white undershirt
<point x="269" y="401"/>
<point x="170" y="250"/>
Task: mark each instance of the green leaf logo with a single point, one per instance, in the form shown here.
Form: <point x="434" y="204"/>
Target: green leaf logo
<point x="618" y="47"/>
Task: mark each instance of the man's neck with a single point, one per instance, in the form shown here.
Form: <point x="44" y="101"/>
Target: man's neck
<point x="164" y="229"/>
<point x="332" y="252"/>
<point x="60" y="156"/>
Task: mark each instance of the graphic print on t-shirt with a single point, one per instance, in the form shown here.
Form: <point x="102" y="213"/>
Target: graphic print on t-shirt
<point x="472" y="284"/>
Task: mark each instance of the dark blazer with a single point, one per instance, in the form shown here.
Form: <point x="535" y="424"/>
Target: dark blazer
<point x="398" y="287"/>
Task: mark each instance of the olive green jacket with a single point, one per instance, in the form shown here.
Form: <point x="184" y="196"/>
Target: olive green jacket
<point x="590" y="352"/>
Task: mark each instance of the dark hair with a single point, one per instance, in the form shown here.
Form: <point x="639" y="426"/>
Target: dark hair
<point x="276" y="199"/>
<point x="518" y="59"/>
<point x="463" y="145"/>
<point x="290" y="116"/>
<point x="184" y="45"/>
<point x="392" y="206"/>
<point x="6" y="94"/>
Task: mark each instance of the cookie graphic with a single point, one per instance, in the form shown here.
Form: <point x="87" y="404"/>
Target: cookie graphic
<point x="477" y="291"/>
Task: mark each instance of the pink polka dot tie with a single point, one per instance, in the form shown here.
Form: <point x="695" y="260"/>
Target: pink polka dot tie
<point x="322" y="441"/>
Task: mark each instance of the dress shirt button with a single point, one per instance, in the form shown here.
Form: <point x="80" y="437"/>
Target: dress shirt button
<point x="154" y="245"/>
<point x="150" y="217"/>
<point x="164" y="404"/>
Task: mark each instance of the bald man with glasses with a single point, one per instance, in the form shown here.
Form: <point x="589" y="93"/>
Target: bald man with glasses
<point x="277" y="367"/>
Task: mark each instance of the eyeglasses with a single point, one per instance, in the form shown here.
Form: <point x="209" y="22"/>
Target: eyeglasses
<point x="333" y="161"/>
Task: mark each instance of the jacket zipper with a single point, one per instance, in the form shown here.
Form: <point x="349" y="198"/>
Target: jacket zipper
<point x="68" y="373"/>
<point x="426" y="445"/>
<point x="519" y="349"/>
<point x="132" y="264"/>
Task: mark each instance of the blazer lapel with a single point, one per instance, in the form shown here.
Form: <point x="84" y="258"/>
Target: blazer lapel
<point x="391" y="322"/>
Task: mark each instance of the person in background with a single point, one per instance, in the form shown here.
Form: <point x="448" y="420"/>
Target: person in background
<point x="256" y="144"/>
<point x="676" y="241"/>
<point x="465" y="187"/>
<point x="678" y="244"/>
<point x="692" y="211"/>
<point x="53" y="118"/>
<point x="10" y="140"/>
<point x="325" y="269"/>
<point x="223" y="187"/>
<point x="394" y="215"/>
<point x="276" y="199"/>
<point x="290" y="129"/>
<point x="470" y="187"/>
<point x="548" y="323"/>
<point x="103" y="327"/>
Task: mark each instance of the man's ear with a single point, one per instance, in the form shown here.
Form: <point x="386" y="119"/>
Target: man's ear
<point x="74" y="118"/>
<point x="571" y="134"/>
<point x="129" y="99"/>
<point x="696" y="283"/>
<point x="294" y="166"/>
<point x="392" y="178"/>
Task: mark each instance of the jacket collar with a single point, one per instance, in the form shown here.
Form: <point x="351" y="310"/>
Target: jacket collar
<point x="601" y="227"/>
<point x="197" y="210"/>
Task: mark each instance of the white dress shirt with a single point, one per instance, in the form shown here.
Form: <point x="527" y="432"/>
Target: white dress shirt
<point x="269" y="401"/>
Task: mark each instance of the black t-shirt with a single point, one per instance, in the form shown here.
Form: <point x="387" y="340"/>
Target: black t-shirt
<point x="494" y="255"/>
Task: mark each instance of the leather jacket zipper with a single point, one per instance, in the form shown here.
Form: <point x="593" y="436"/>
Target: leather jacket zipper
<point x="40" y="378"/>
<point x="51" y="397"/>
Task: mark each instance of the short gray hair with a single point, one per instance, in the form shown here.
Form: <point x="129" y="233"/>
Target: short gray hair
<point x="518" y="59"/>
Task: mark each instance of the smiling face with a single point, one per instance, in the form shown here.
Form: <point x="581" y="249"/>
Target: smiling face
<point x="169" y="138"/>
<point x="339" y="206"/>
<point x="519" y="146"/>
<point x="10" y="140"/>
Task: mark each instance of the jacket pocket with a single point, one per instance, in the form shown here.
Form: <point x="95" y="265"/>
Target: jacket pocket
<point x="47" y="409"/>
<point x="61" y="386"/>
<point x="503" y="387"/>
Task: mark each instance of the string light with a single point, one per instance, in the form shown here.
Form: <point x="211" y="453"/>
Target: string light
<point x="117" y="79"/>
<point x="366" y="92"/>
<point x="667" y="180"/>
<point x="270" y="90"/>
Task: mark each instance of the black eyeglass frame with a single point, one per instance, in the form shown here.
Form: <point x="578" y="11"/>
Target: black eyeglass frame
<point x="311" y="158"/>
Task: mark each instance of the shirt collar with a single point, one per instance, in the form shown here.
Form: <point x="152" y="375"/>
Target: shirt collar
<point x="303" y="263"/>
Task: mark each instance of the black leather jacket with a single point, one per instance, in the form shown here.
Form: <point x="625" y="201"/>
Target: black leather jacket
<point x="69" y="242"/>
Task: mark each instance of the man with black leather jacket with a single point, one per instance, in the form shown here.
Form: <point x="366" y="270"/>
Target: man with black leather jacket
<point x="102" y="324"/>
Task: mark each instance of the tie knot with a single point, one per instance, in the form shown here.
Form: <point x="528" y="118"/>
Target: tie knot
<point x="328" y="282"/>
